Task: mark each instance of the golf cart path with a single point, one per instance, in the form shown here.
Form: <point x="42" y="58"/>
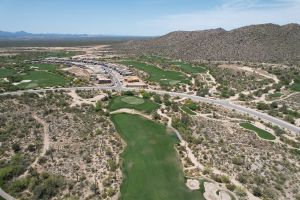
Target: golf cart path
<point x="183" y="143"/>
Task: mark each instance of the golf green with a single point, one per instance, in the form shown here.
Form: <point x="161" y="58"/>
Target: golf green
<point x="131" y="102"/>
<point x="151" y="168"/>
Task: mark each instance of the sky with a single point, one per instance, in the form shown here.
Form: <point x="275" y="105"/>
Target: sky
<point x="141" y="17"/>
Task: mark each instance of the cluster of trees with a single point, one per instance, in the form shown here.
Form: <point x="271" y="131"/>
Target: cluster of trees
<point x="283" y="111"/>
<point x="191" y="105"/>
<point x="225" y="91"/>
<point x="15" y="167"/>
<point x="42" y="186"/>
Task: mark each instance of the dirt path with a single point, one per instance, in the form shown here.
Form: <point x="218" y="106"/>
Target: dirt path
<point x="249" y="69"/>
<point x="196" y="163"/>
<point x="77" y="100"/>
<point x="131" y="111"/>
<point x="213" y="83"/>
<point x="287" y="96"/>
<point x="46" y="144"/>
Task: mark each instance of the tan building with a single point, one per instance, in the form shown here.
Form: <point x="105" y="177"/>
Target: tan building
<point x="103" y="79"/>
<point x="132" y="79"/>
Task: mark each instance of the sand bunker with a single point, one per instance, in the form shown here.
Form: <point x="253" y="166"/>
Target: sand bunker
<point x="193" y="184"/>
<point x="214" y="192"/>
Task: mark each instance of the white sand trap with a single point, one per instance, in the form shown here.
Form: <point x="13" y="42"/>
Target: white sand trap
<point x="132" y="100"/>
<point x="23" y="81"/>
<point x="211" y="190"/>
<point x="193" y="184"/>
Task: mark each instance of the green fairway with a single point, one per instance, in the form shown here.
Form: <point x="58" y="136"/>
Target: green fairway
<point x="156" y="74"/>
<point x="44" y="67"/>
<point x="260" y="132"/>
<point x="4" y="72"/>
<point x="189" y="68"/>
<point x="187" y="110"/>
<point x="180" y="65"/>
<point x="131" y="102"/>
<point x="42" y="79"/>
<point x="151" y="168"/>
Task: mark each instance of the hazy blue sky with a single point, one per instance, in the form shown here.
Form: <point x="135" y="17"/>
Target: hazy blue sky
<point x="141" y="17"/>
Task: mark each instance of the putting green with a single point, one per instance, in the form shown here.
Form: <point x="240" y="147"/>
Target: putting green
<point x="133" y="100"/>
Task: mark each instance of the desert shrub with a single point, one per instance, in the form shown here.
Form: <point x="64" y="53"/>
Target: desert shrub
<point x="16" y="147"/>
<point x="230" y="186"/>
<point x="18" y="185"/>
<point x="240" y="191"/>
<point x="47" y="187"/>
<point x="257" y="192"/>
<point x="262" y="106"/>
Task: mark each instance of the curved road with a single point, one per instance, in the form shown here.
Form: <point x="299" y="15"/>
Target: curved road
<point x="118" y="87"/>
<point x="6" y="196"/>
<point x="224" y="103"/>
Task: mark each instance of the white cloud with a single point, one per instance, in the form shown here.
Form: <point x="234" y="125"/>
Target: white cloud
<point x="231" y="14"/>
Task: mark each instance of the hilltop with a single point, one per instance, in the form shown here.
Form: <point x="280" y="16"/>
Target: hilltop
<point x="259" y="43"/>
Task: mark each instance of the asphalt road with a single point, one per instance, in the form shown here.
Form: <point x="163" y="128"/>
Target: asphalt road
<point x="118" y="87"/>
<point x="230" y="105"/>
<point x="223" y="103"/>
<point x="6" y="196"/>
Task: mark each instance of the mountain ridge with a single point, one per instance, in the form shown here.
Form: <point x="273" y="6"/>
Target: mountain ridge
<point x="20" y="35"/>
<point x="262" y="42"/>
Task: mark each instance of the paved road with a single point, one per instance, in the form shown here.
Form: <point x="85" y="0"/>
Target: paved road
<point x="230" y="105"/>
<point x="6" y="196"/>
<point x="118" y="86"/>
<point x="223" y="103"/>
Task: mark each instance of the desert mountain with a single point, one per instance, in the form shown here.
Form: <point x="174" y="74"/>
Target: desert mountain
<point x="265" y="42"/>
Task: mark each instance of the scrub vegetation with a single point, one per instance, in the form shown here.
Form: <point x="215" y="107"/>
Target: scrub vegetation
<point x="151" y="168"/>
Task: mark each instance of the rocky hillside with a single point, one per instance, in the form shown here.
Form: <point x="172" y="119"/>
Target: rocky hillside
<point x="266" y="42"/>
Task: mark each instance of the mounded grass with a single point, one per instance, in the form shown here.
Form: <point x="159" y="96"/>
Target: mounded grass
<point x="42" y="79"/>
<point x="151" y="168"/>
<point x="156" y="74"/>
<point x="260" y="132"/>
<point x="4" y="72"/>
<point x="187" y="110"/>
<point x="130" y="102"/>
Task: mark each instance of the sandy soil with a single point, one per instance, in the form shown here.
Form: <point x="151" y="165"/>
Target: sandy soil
<point x="211" y="192"/>
<point x="77" y="100"/>
<point x="249" y="69"/>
